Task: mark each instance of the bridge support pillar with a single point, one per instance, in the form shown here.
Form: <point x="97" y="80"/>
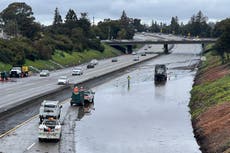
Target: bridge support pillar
<point x="166" y="50"/>
<point x="129" y="49"/>
<point x="203" y="46"/>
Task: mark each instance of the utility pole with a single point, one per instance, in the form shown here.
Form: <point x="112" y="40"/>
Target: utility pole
<point x="93" y="20"/>
<point x="109" y="30"/>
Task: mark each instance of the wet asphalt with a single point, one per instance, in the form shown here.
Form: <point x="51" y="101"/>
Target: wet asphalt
<point x="144" y="117"/>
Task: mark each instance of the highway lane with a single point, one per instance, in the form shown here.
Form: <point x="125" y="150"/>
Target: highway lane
<point x="13" y="92"/>
<point x="146" y="118"/>
<point x="27" y="134"/>
<point x="18" y="90"/>
<point x="24" y="88"/>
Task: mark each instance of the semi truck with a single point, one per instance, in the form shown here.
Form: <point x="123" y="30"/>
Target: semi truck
<point x="19" y="71"/>
<point x="160" y="73"/>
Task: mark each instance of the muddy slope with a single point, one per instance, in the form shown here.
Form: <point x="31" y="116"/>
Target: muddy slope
<point x="212" y="126"/>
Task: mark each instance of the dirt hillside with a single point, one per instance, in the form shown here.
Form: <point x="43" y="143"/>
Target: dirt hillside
<point x="212" y="127"/>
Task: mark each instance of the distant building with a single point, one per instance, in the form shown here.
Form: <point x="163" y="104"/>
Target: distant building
<point x="3" y="35"/>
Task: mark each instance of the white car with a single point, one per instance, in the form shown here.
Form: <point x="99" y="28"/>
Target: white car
<point x="50" y="129"/>
<point x="63" y="80"/>
<point x="77" y="71"/>
<point x="134" y="53"/>
<point x="44" y="73"/>
<point x="136" y="58"/>
<point x="94" y="61"/>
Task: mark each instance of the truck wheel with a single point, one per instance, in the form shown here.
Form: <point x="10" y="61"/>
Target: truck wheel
<point x="40" y="120"/>
<point x="40" y="139"/>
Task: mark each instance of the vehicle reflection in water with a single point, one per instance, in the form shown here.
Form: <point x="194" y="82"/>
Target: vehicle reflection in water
<point x="85" y="110"/>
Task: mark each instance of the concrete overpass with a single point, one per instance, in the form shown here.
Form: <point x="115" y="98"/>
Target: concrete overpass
<point x="130" y="43"/>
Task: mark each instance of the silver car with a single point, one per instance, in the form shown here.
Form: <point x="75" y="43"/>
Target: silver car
<point x="94" y="62"/>
<point x="136" y="58"/>
<point x="77" y="71"/>
<point x="63" y="80"/>
<point x="44" y="73"/>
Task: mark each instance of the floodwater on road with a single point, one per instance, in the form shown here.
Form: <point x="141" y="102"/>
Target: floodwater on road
<point x="145" y="118"/>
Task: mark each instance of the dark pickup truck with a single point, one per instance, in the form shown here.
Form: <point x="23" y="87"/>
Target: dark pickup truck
<point x="160" y="73"/>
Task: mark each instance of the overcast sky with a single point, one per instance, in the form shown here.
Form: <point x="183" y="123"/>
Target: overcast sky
<point x="146" y="10"/>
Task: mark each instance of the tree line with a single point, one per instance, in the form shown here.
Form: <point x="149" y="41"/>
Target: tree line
<point x="197" y="26"/>
<point x="28" y="39"/>
<point x="31" y="40"/>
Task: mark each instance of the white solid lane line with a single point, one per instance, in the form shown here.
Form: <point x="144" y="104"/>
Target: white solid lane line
<point x="30" y="146"/>
<point x="25" y="122"/>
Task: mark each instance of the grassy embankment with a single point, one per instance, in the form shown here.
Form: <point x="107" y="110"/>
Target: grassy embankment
<point x="212" y="85"/>
<point x="210" y="105"/>
<point x="61" y="58"/>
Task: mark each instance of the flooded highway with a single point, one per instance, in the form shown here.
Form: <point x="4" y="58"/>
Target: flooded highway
<point x="146" y="117"/>
<point x="143" y="117"/>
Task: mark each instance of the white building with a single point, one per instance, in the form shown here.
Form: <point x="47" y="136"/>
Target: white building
<point x="3" y="35"/>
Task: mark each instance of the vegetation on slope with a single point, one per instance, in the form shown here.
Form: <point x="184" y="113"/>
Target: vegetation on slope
<point x="210" y="105"/>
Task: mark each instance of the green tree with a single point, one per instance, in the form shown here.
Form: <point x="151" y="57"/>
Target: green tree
<point x="71" y="17"/>
<point x="223" y="44"/>
<point x="126" y="24"/>
<point x="85" y="24"/>
<point x="57" y="17"/>
<point x="198" y="26"/>
<point x="155" y="27"/>
<point x="174" y="26"/>
<point x="220" y="27"/>
<point x="18" y="19"/>
<point x="138" y="26"/>
<point x="121" y="34"/>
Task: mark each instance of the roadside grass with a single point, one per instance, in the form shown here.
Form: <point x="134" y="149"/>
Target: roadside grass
<point x="61" y="58"/>
<point x="209" y="93"/>
<point x="76" y="58"/>
<point x="41" y="64"/>
<point x="212" y="60"/>
<point x="5" y="67"/>
<point x="205" y="95"/>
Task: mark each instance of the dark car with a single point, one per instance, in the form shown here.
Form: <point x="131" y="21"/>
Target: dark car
<point x="114" y="60"/>
<point x="90" y="65"/>
<point x="143" y="54"/>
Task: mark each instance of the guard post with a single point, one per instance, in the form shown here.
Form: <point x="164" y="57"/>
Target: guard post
<point x="128" y="81"/>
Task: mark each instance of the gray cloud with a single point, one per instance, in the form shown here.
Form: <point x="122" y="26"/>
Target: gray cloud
<point x="147" y="10"/>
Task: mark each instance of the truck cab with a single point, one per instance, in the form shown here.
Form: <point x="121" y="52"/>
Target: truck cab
<point x="81" y="96"/>
<point x="19" y="71"/>
<point x="16" y="72"/>
<point x="49" y="109"/>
